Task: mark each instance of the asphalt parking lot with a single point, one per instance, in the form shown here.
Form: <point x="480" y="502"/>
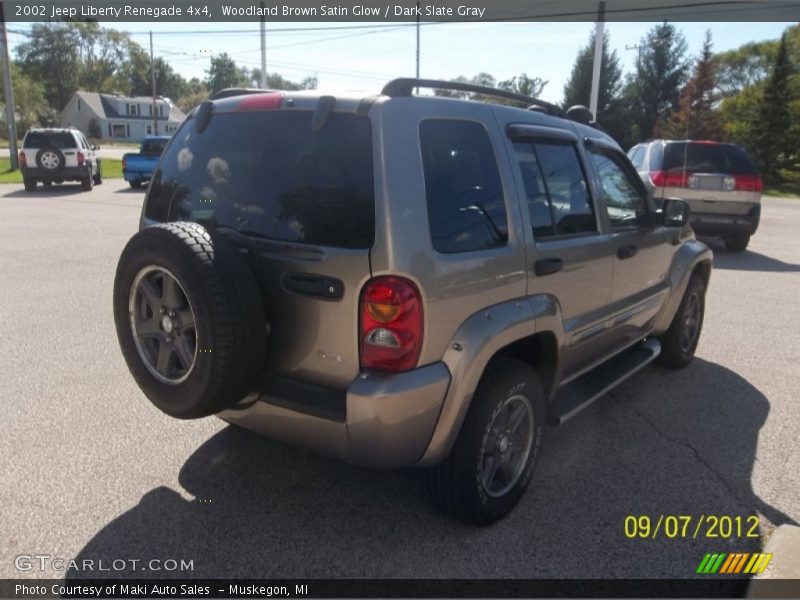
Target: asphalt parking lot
<point x="92" y="471"/>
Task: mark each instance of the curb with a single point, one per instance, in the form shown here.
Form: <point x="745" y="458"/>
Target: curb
<point x="784" y="545"/>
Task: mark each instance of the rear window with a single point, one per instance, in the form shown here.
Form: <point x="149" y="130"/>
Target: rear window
<point x="268" y="174"/>
<point x="153" y="146"/>
<point x="708" y="158"/>
<point x="57" y="139"/>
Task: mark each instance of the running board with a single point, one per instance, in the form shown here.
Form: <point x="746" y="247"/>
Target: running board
<point x="587" y="388"/>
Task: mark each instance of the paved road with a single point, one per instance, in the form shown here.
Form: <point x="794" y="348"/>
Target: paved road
<point x="91" y="470"/>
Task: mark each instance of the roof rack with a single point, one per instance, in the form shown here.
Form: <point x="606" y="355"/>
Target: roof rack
<point x="403" y="87"/>
<point x="237" y="91"/>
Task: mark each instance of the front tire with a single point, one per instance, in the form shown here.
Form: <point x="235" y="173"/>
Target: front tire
<point x="29" y="183"/>
<point x="679" y="343"/>
<point x="87" y="182"/>
<point x="737" y="242"/>
<point x="135" y="184"/>
<point x="498" y="446"/>
<point x="98" y="177"/>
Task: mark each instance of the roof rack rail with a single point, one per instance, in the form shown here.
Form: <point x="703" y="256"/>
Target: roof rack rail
<point x="403" y="87"/>
<point x="237" y="91"/>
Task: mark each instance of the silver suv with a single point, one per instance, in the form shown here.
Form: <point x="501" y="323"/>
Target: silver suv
<point x="403" y="280"/>
<point x="718" y="180"/>
<point x="58" y="155"/>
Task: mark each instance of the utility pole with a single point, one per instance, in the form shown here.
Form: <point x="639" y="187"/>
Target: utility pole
<point x="263" y="49"/>
<point x="12" y="125"/>
<point x="417" y="43"/>
<point x="598" y="58"/>
<point x="153" y="83"/>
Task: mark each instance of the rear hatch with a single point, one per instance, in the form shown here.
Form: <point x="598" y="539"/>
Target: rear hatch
<point x="714" y="177"/>
<point x="62" y="140"/>
<point x="296" y="190"/>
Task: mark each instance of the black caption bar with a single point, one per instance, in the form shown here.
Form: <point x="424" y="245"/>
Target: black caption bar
<point x="215" y="11"/>
<point x="394" y="588"/>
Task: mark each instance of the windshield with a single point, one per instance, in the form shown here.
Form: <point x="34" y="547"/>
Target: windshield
<point x="708" y="158"/>
<point x="269" y="174"/>
<point x="153" y="146"/>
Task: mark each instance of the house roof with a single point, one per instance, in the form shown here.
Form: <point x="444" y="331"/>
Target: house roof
<point x="103" y="105"/>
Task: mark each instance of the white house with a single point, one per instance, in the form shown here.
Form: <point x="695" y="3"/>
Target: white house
<point x="124" y="118"/>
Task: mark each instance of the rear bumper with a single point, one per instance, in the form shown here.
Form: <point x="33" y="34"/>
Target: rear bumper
<point x="136" y="175"/>
<point x="387" y="420"/>
<point x="65" y="174"/>
<point x="720" y="224"/>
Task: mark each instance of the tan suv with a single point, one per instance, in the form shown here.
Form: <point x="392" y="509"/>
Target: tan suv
<point x="403" y="280"/>
<point x="719" y="181"/>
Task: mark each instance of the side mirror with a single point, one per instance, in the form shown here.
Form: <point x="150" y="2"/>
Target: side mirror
<point x="674" y="212"/>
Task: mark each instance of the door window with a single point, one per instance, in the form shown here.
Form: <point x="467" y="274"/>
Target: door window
<point x="624" y="200"/>
<point x="555" y="188"/>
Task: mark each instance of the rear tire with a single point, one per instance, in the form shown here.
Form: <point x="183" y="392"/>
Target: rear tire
<point x="493" y="458"/>
<point x="29" y="183"/>
<point x="188" y="293"/>
<point x="679" y="343"/>
<point x="737" y="242"/>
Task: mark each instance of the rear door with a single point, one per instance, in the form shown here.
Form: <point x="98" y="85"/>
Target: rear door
<point x="300" y="200"/>
<point x="569" y="257"/>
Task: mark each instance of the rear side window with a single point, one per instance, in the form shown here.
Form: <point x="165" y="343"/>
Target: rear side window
<point x="153" y="146"/>
<point x="466" y="207"/>
<point x="555" y="187"/>
<point x="707" y="158"/>
<point x="268" y="174"/>
<point x="57" y="139"/>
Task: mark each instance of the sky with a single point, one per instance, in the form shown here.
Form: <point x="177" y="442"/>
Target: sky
<point x="362" y="60"/>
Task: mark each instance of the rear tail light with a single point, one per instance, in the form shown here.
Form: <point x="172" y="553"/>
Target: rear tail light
<point x="747" y="183"/>
<point x="23" y="162"/>
<point x="664" y="179"/>
<point x="81" y="158"/>
<point x="390" y="324"/>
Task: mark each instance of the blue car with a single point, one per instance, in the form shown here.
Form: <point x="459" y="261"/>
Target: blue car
<point x="139" y="167"/>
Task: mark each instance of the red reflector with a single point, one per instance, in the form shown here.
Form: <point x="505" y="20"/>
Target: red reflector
<point x="664" y="179"/>
<point x="747" y="183"/>
<point x="22" y="160"/>
<point x="707" y="142"/>
<point x="390" y="324"/>
<point x="81" y="158"/>
<point x="260" y="102"/>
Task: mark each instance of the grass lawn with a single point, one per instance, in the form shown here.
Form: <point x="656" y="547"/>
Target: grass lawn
<point x="785" y="190"/>
<point x="112" y="169"/>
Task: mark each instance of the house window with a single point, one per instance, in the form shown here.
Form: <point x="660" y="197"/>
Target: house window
<point x="118" y="130"/>
<point x="133" y="109"/>
<point x="149" y="130"/>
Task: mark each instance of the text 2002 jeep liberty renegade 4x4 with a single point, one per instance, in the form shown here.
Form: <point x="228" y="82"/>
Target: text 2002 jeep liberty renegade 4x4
<point x="398" y="280"/>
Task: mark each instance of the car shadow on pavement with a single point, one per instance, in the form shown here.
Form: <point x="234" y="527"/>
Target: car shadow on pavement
<point x="43" y="192"/>
<point x="664" y="443"/>
<point x="748" y="260"/>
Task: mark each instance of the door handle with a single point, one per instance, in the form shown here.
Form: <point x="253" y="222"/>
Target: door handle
<point x="548" y="266"/>
<point x="624" y="252"/>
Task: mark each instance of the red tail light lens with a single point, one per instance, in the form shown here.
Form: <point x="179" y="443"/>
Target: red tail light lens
<point x="390" y="324"/>
<point x="81" y="158"/>
<point x="747" y="183"/>
<point x="664" y="179"/>
<point x="23" y="162"/>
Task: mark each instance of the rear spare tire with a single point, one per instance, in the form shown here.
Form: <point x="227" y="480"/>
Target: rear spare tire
<point x="190" y="319"/>
<point x="50" y="159"/>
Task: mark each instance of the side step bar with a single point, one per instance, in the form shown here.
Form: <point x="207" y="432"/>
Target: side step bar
<point x="579" y="394"/>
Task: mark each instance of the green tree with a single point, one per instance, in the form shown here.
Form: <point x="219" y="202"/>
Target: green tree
<point x="521" y="84"/>
<point x="50" y="57"/>
<point x="697" y="115"/>
<point x="661" y="70"/>
<point x="610" y="109"/>
<point x="224" y="73"/>
<point x="32" y="109"/>
<point x="168" y="83"/>
<point x="275" y="81"/>
<point x="775" y="120"/>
